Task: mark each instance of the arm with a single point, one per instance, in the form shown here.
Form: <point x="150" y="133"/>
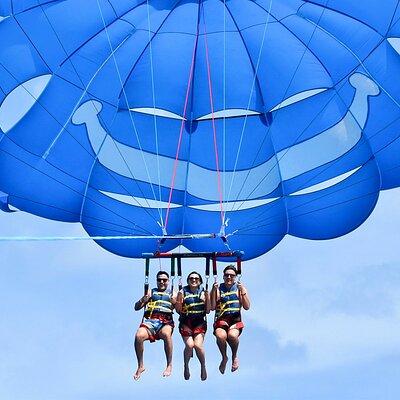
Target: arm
<point x="173" y="299"/>
<point x="214" y="296"/>
<point x="205" y="296"/>
<point x="142" y="301"/>
<point x="243" y="296"/>
<point x="179" y="302"/>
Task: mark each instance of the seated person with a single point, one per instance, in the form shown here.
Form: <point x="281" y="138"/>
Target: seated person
<point x="227" y="299"/>
<point x="193" y="303"/>
<point x="157" y="322"/>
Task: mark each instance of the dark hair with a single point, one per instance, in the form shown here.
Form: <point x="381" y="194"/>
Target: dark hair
<point x="194" y="272"/>
<point x="162" y="273"/>
<point x="232" y="267"/>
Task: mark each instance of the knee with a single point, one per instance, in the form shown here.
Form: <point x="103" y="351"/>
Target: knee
<point x="164" y="335"/>
<point x="190" y="345"/>
<point x="233" y="335"/>
<point x="140" y="336"/>
<point x="198" y="346"/>
<point x="220" y="335"/>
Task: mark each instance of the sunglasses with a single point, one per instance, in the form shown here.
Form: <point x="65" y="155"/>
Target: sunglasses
<point x="229" y="275"/>
<point x="162" y="280"/>
<point x="193" y="278"/>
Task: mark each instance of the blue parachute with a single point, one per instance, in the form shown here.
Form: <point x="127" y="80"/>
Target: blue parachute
<point x="249" y="118"/>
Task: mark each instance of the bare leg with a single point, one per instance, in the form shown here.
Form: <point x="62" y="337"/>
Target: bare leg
<point x="221" y="342"/>
<point x="187" y="354"/>
<point x="198" y="346"/>
<point x="141" y="335"/>
<point x="233" y="341"/>
<point x="166" y="335"/>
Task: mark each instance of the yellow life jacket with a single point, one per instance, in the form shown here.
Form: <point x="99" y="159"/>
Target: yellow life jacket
<point x="228" y="300"/>
<point x="193" y="305"/>
<point x="159" y="303"/>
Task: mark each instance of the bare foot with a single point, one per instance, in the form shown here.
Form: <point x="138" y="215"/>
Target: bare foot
<point x="139" y="372"/>
<point x="235" y="364"/>
<point x="168" y="371"/>
<point x="222" y="366"/>
<point x="186" y="372"/>
<point x="203" y="373"/>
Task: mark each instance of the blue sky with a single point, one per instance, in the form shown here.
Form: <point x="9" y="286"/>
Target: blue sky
<point x="324" y="322"/>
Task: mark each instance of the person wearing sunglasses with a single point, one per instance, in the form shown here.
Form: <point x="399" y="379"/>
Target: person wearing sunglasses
<point x="227" y="299"/>
<point x="193" y="303"/>
<point x="157" y="321"/>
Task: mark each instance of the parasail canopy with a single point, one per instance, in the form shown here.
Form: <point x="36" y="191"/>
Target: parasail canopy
<point x="247" y="119"/>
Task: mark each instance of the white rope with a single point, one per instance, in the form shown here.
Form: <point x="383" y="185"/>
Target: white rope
<point x="118" y="237"/>
<point x="249" y="101"/>
<point x="78" y="103"/>
<point x="361" y="62"/>
<point x="85" y="90"/>
<point x="291" y="80"/>
<point x="154" y="108"/>
<point x="126" y="100"/>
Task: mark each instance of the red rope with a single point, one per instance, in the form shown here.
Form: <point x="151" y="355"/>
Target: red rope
<point x="213" y="125"/>
<point x="181" y="133"/>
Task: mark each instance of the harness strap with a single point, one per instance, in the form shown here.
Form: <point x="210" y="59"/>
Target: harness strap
<point x="224" y="294"/>
<point x="191" y="295"/>
<point x="228" y="302"/>
<point x="239" y="268"/>
<point x="234" y="309"/>
<point x="151" y="307"/>
<point x="179" y="273"/>
<point x="163" y="317"/>
<point x="224" y="325"/>
<point x="194" y="304"/>
<point x="193" y="312"/>
<point x="172" y="273"/>
<point x="215" y="272"/>
<point x="146" y="276"/>
<point x="207" y="271"/>
<point x="156" y="302"/>
<point x="159" y="309"/>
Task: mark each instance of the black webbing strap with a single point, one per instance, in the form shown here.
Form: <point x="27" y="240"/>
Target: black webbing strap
<point x="207" y="255"/>
<point x="172" y="273"/>
<point x="146" y="276"/>
<point x="214" y="264"/>
<point x="207" y="271"/>
<point x="179" y="273"/>
<point x="239" y="267"/>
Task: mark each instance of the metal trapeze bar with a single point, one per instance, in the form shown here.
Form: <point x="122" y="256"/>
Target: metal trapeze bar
<point x="218" y="254"/>
<point x="189" y="236"/>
